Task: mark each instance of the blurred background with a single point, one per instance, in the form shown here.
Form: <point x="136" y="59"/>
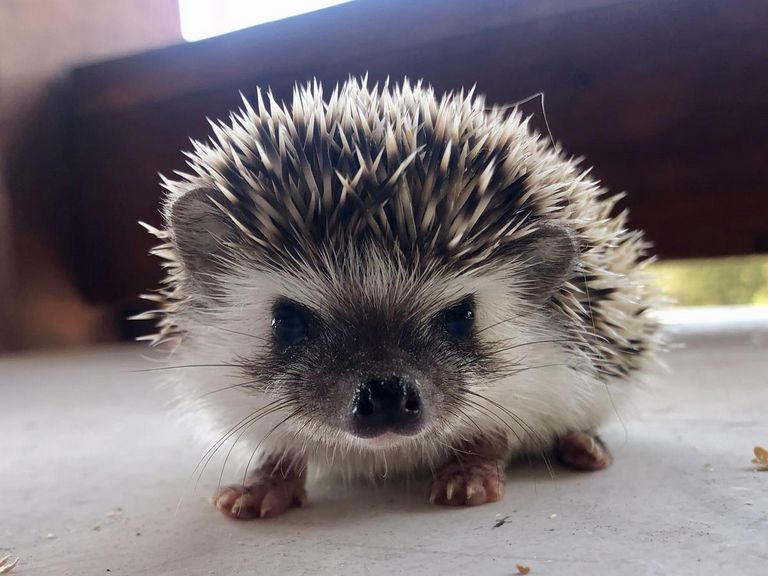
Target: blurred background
<point x="667" y="98"/>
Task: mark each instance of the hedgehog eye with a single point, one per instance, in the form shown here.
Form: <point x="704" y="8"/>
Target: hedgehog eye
<point x="290" y="323"/>
<point x="459" y="319"/>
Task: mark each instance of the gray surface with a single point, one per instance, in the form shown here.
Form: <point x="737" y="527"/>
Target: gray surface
<point x="92" y="469"/>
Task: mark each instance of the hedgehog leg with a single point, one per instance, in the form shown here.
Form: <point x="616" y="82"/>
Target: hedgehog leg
<point x="468" y="480"/>
<point x="277" y="485"/>
<point x="583" y="451"/>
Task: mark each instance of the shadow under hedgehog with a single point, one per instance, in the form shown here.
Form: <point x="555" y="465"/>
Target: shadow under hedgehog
<point x="388" y="283"/>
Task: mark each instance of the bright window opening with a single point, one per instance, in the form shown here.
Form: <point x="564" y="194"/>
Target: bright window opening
<point x="205" y="18"/>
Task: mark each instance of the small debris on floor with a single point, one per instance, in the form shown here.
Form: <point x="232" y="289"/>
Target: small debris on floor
<point x="521" y="569"/>
<point x="551" y="516"/>
<point x="761" y="458"/>
<point x="96" y="527"/>
<point x="6" y="565"/>
<point x="50" y="535"/>
<point x="501" y="521"/>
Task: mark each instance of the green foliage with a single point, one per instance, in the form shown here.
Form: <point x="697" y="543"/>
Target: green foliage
<point x="717" y="281"/>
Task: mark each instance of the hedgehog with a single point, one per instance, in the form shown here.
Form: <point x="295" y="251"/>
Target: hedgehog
<point x="386" y="283"/>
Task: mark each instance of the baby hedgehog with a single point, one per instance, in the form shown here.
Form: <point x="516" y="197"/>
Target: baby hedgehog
<point x="385" y="283"/>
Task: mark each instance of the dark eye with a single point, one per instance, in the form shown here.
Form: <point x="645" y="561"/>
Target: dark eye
<point x="459" y="319"/>
<point x="290" y="323"/>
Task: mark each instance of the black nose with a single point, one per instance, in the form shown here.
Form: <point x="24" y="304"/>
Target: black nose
<point x="390" y="404"/>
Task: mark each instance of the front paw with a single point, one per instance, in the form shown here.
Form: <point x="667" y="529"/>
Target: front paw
<point x="468" y="483"/>
<point x="264" y="498"/>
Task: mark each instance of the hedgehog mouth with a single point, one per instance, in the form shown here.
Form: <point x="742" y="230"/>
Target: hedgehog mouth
<point x="385" y="441"/>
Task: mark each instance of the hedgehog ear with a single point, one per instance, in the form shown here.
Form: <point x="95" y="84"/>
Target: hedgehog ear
<point x="198" y="229"/>
<point x="553" y="252"/>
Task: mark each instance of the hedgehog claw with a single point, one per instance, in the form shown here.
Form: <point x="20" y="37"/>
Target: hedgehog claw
<point x="267" y="495"/>
<point x="468" y="483"/>
<point x="450" y="489"/>
<point x="583" y="451"/>
<point x="434" y="492"/>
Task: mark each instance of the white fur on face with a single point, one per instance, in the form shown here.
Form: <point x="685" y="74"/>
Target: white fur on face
<point x="547" y="392"/>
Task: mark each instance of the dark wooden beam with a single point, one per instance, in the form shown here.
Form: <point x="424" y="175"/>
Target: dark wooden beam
<point x="666" y="98"/>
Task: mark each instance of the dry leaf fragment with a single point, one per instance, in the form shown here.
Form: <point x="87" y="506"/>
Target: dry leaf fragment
<point x="522" y="569"/>
<point x="761" y="458"/>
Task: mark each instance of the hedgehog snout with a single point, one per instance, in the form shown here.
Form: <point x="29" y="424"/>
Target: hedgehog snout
<point x="391" y="403"/>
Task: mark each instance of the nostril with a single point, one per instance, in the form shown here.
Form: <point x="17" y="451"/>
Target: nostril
<point x="364" y="405"/>
<point x="412" y="402"/>
<point x="412" y="405"/>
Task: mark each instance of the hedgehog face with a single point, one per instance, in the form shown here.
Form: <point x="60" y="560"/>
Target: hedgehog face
<point x="374" y="369"/>
<point x="363" y="343"/>
<point x="364" y="346"/>
<point x="369" y="344"/>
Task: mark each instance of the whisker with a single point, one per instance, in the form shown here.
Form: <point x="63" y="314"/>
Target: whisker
<point x="187" y="366"/>
<point x="238" y="385"/>
<point x="244" y="430"/>
<point x="489" y="412"/>
<point x="262" y="339"/>
<point x="214" y="448"/>
<point x="521" y="369"/>
<point x="515" y="317"/>
<point x="531" y="343"/>
<point x="275" y="427"/>
<point x="228" y="434"/>
<point x="467" y="416"/>
<point x="524" y="425"/>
